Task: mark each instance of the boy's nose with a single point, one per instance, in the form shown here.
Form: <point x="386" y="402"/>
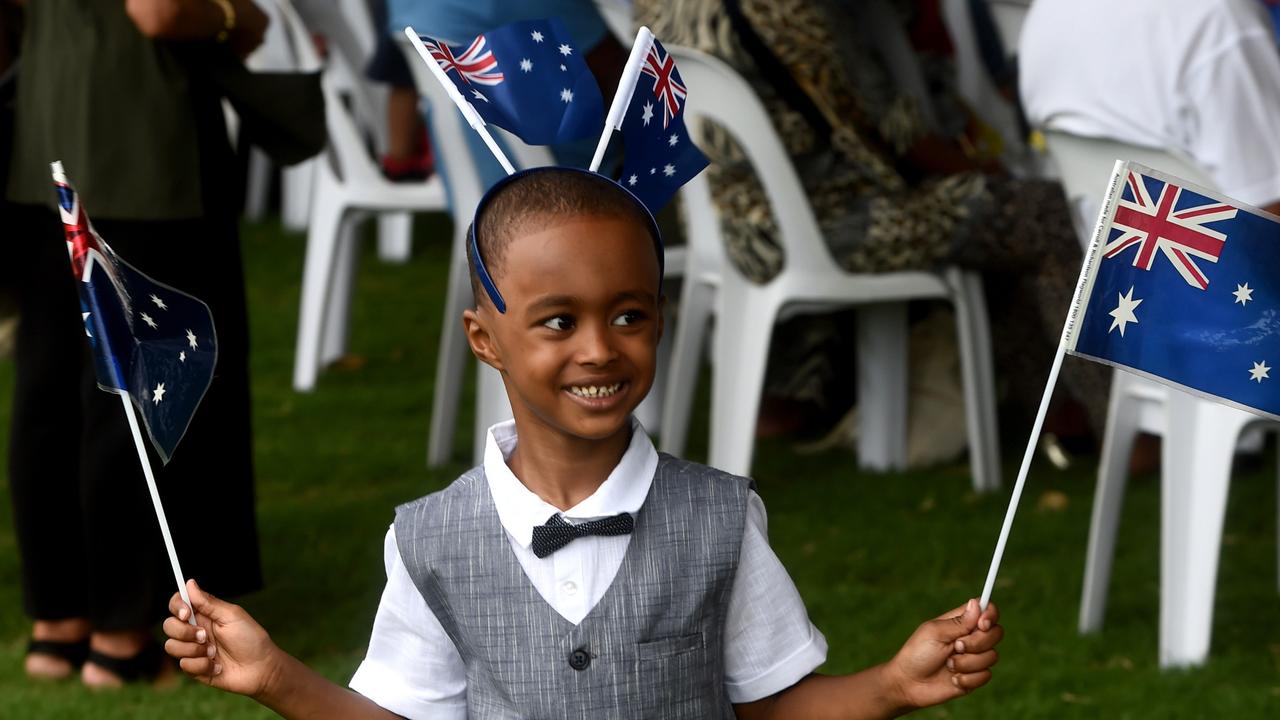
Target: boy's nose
<point x="595" y="345"/>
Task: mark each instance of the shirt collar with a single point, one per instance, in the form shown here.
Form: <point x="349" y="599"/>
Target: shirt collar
<point x="519" y="509"/>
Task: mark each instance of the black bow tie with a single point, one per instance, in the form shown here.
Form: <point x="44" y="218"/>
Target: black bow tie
<point x="556" y="533"/>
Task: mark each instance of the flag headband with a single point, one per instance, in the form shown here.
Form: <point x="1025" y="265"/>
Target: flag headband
<point x="482" y="272"/>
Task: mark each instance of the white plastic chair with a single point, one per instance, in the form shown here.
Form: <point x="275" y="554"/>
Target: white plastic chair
<point x="1009" y="16"/>
<point x="347" y="182"/>
<point x="745" y="312"/>
<point x="1200" y="439"/>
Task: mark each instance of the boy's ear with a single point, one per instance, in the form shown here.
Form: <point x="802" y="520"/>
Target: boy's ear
<point x="475" y="323"/>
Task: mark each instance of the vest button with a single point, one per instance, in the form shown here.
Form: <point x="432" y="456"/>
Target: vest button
<point x="579" y="659"/>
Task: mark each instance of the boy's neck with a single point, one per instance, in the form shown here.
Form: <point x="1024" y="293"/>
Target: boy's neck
<point x="561" y="469"/>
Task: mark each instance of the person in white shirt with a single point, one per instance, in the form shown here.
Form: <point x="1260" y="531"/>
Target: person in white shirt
<point x="1201" y="77"/>
<point x="577" y="572"/>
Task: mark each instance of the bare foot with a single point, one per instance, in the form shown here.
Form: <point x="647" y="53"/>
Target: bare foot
<point x="42" y="666"/>
<point x="123" y="645"/>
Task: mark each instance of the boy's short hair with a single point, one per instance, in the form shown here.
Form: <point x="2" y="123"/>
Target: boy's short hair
<point x="527" y="203"/>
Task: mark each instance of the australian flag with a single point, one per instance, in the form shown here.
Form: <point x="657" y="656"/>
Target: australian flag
<point x="1183" y="286"/>
<point x="528" y="78"/>
<point x="660" y="156"/>
<point x="153" y="342"/>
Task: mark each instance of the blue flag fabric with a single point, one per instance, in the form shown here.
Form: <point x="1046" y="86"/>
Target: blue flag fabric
<point x="660" y="155"/>
<point x="528" y="78"/>
<point x="1182" y="285"/>
<point x="153" y="342"/>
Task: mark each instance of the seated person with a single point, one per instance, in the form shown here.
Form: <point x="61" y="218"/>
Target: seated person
<point x="577" y="571"/>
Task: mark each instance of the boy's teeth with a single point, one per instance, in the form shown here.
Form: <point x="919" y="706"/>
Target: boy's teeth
<point x="592" y="391"/>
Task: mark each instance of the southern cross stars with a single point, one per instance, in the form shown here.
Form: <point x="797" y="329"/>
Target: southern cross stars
<point x="565" y="50"/>
<point x="630" y="181"/>
<point x="668" y="170"/>
<point x="158" y="394"/>
<point x="159" y="303"/>
<point x="566" y="95"/>
<point x="525" y="64"/>
<point x="671" y="141"/>
<point x="150" y="323"/>
<point x="1259" y="372"/>
<point x="1243" y="294"/>
<point x="1123" y="313"/>
<point x="536" y="35"/>
<point x="191" y="339"/>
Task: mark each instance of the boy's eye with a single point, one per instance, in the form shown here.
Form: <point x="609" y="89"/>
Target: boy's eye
<point x="559" y="322"/>
<point x="629" y="317"/>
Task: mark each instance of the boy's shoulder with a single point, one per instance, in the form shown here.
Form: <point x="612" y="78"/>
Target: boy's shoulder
<point x="674" y="467"/>
<point x="464" y="486"/>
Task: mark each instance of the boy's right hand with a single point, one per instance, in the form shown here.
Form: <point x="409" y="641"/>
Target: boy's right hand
<point x="226" y="649"/>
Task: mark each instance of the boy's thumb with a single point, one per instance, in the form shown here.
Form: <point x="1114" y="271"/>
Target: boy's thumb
<point x="958" y="623"/>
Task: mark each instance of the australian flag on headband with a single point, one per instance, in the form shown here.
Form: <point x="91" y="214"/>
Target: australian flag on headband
<point x="149" y="340"/>
<point x="660" y="156"/>
<point x="1182" y="285"/>
<point x="528" y="78"/>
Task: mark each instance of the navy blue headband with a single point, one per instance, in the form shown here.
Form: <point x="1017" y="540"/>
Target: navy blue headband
<point x="482" y="272"/>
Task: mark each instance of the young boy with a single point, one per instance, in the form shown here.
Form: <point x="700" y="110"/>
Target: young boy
<point x="577" y="572"/>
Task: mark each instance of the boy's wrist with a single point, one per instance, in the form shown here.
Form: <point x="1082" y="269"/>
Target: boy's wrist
<point x="893" y="688"/>
<point x="278" y="677"/>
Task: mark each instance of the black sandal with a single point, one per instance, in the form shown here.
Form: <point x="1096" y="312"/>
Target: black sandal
<point x="74" y="652"/>
<point x="145" y="666"/>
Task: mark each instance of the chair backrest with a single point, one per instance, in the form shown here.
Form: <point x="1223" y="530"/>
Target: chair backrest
<point x="717" y="93"/>
<point x="301" y="47"/>
<point x="1085" y="166"/>
<point x="1009" y="16"/>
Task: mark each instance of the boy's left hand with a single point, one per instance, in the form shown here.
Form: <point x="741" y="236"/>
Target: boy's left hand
<point x="947" y="657"/>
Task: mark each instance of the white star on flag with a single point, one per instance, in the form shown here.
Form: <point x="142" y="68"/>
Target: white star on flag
<point x="653" y="170"/>
<point x="1243" y="294"/>
<point x="563" y="68"/>
<point x="668" y="170"/>
<point x="1260" y="371"/>
<point x="671" y="141"/>
<point x="147" y="319"/>
<point x="566" y="95"/>
<point x="158" y="394"/>
<point x="159" y="303"/>
<point x="182" y="356"/>
<point x="630" y="181"/>
<point x="536" y="35"/>
<point x="525" y="64"/>
<point x="1123" y="313"/>
<point x="648" y="113"/>
<point x="84" y="317"/>
<point x="191" y="338"/>
<point x="479" y="95"/>
<point x="565" y="50"/>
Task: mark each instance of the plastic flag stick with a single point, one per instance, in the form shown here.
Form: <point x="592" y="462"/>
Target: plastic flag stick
<point x="1099" y="238"/>
<point x="473" y="118"/>
<point x="622" y="98"/>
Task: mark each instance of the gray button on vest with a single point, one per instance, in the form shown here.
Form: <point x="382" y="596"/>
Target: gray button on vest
<point x="580" y="659"/>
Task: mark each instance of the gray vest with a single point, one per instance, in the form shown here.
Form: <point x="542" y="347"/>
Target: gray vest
<point x="653" y="647"/>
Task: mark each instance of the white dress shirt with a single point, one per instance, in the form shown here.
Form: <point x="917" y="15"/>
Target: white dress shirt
<point x="1198" y="76"/>
<point x="414" y="670"/>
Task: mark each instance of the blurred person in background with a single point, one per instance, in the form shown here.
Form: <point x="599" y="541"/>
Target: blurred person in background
<point x="113" y="89"/>
<point x="901" y="176"/>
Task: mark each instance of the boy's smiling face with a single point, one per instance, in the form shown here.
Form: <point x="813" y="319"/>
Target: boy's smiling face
<point x="577" y="345"/>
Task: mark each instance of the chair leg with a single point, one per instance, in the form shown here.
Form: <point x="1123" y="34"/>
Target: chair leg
<point x="451" y="361"/>
<point x="1108" y="499"/>
<point x="649" y="413"/>
<point x="337" y="320"/>
<point x="295" y="195"/>
<point x="742" y="352"/>
<point x="686" y="360"/>
<point x="491" y="407"/>
<point x="395" y="237"/>
<point x="1198" y="451"/>
<point x="258" y="186"/>
<point x="882" y="386"/>
<point x="977" y="380"/>
<point x="322" y="241"/>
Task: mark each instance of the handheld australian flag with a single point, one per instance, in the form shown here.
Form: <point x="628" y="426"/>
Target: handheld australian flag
<point x="660" y="155"/>
<point x="149" y="341"/>
<point x="528" y="78"/>
<point x="1182" y="285"/>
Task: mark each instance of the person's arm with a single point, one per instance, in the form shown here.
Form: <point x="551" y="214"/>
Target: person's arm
<point x="229" y="650"/>
<point x="944" y="659"/>
<point x="201" y="20"/>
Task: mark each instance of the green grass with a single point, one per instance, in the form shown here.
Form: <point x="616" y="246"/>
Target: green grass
<point x="873" y="555"/>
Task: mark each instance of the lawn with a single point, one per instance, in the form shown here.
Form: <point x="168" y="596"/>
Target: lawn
<point x="872" y="554"/>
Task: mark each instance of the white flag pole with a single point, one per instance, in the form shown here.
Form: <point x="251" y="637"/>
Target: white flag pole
<point x="155" y="501"/>
<point x="622" y="97"/>
<point x="1083" y="285"/>
<point x="473" y="118"/>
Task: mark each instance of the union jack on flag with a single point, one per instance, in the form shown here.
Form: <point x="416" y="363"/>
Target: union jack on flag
<point x="150" y="341"/>
<point x="475" y="65"/>
<point x="660" y="66"/>
<point x="1153" y="215"/>
<point x="529" y="78"/>
<point x="1206" y="318"/>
